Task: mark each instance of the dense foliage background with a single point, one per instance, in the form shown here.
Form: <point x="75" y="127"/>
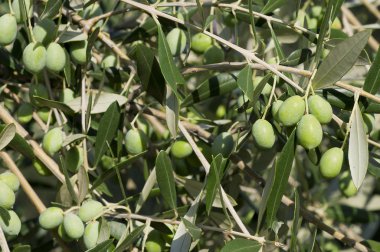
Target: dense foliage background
<point x="192" y="125"/>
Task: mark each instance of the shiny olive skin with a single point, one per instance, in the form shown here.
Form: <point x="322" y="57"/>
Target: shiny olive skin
<point x="176" y="39"/>
<point x="44" y="31"/>
<point x="34" y="57"/>
<point x="52" y="141"/>
<point x="267" y="88"/>
<point x="200" y="42"/>
<point x="223" y="144"/>
<point x="44" y="113"/>
<point x="309" y="132"/>
<point x="331" y="162"/>
<point x="78" y="52"/>
<point x="291" y="110"/>
<point x="109" y="61"/>
<point x="51" y="218"/>
<point x="220" y="111"/>
<point x="154" y="242"/>
<point x="135" y="141"/>
<point x="181" y="149"/>
<point x="41" y="168"/>
<point x="62" y="234"/>
<point x="274" y="109"/>
<point x="89" y="210"/>
<point x="73" y="159"/>
<point x="320" y="108"/>
<point x="73" y="226"/>
<point x="25" y="113"/>
<point x="213" y="55"/>
<point x="263" y="134"/>
<point x="8" y="26"/>
<point x="116" y="229"/>
<point x="55" y="57"/>
<point x="11" y="180"/>
<point x="13" y="227"/>
<point x="347" y="186"/>
<point x="66" y="95"/>
<point x="7" y="196"/>
<point x="91" y="234"/>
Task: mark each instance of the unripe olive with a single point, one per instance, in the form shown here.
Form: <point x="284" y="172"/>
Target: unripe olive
<point x="10" y="180"/>
<point x="316" y="11"/>
<point x="267" y="88"/>
<point x="41" y="168"/>
<point x="44" y="31"/>
<point x="73" y="159"/>
<point x="8" y="26"/>
<point x="44" y="113"/>
<point x="17" y="9"/>
<point x="14" y="224"/>
<point x="78" y="51"/>
<point x="200" y="42"/>
<point x="154" y="242"/>
<point x="34" y="57"/>
<point x="223" y="144"/>
<point x="55" y="57"/>
<point x="229" y="19"/>
<point x="73" y="226"/>
<point x="330" y="246"/>
<point x="291" y="110"/>
<point x="107" y="162"/>
<point x="62" y="233"/>
<point x="109" y="61"/>
<point x="309" y="132"/>
<point x="369" y="122"/>
<point x="116" y="229"/>
<point x="37" y="90"/>
<point x="263" y="134"/>
<point x="53" y="141"/>
<point x="176" y="39"/>
<point x="213" y="55"/>
<point x="312" y="24"/>
<point x="331" y="162"/>
<point x="89" y="210"/>
<point x="337" y="25"/>
<point x="66" y="95"/>
<point x="220" y="111"/>
<point x="181" y="149"/>
<point x="25" y="113"/>
<point x="51" y="218"/>
<point x="91" y="234"/>
<point x="135" y="141"/>
<point x="346" y="185"/>
<point x="7" y="196"/>
<point x="275" y="107"/>
<point x="320" y="108"/>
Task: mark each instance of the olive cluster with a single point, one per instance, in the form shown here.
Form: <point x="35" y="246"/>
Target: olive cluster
<point x="9" y="185"/>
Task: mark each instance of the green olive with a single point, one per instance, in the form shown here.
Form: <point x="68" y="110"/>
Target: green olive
<point x="213" y="55"/>
<point x="91" y="234"/>
<point x="17" y="9"/>
<point x="181" y="149"/>
<point x="347" y="186"/>
<point x="154" y="242"/>
<point x="25" y="113"/>
<point x="330" y="246"/>
<point x="7" y="196"/>
<point x="316" y="11"/>
<point x="41" y="168"/>
<point x="51" y="218"/>
<point x="13" y="226"/>
<point x="53" y="141"/>
<point x="44" y="31"/>
<point x="135" y="141"/>
<point x="73" y="226"/>
<point x="320" y="108"/>
<point x="89" y="210"/>
<point x="73" y="159"/>
<point x="109" y="61"/>
<point x="34" y="57"/>
<point x="44" y="113"/>
<point x="66" y="95"/>
<point x="200" y="42"/>
<point x="107" y="162"/>
<point x="369" y="123"/>
<point x="8" y="26"/>
<point x="275" y="107"/>
<point x="331" y="162"/>
<point x="11" y="180"/>
<point x="267" y="88"/>
<point x="291" y="110"/>
<point x="229" y="19"/>
<point x="176" y="39"/>
<point x="78" y="52"/>
<point x="312" y="24"/>
<point x="223" y="144"/>
<point x="55" y="57"/>
<point x="62" y="233"/>
<point x="220" y="111"/>
<point x="263" y="134"/>
<point x="336" y="24"/>
<point x="117" y="229"/>
<point x="309" y="132"/>
<point x="37" y="90"/>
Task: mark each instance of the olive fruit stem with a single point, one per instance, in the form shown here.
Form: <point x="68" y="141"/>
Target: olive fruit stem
<point x="308" y="88"/>
<point x="270" y="99"/>
<point x="10" y="7"/>
<point x="348" y="127"/>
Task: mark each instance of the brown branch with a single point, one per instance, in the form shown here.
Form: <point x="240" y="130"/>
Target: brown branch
<point x="371" y="8"/>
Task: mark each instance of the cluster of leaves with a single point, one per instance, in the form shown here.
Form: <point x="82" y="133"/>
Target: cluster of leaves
<point x="172" y="114"/>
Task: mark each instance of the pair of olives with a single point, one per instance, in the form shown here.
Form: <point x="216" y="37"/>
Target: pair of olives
<point x="70" y="226"/>
<point x="9" y="184"/>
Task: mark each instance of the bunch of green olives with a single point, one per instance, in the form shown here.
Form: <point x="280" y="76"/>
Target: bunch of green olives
<point x="9" y="185"/>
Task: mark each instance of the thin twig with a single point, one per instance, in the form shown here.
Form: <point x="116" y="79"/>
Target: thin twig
<point x="3" y="242"/>
<point x="371" y="8"/>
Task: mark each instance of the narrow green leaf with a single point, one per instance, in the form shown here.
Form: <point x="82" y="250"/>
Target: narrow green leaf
<point x="83" y="183"/>
<point x="130" y="238"/>
<point x="272" y="5"/>
<point x="295" y="225"/>
<point x="242" y="245"/>
<point x="104" y="230"/>
<point x="73" y="138"/>
<point x="297" y="57"/>
<point x="7" y="134"/>
<point x="340" y="60"/>
<point x="52" y="8"/>
<point x="4" y="215"/>
<point x="165" y="179"/>
<point x="358" y="155"/>
<point x="107" y="130"/>
<point x="172" y="111"/>
<point x="68" y="183"/>
<point x="22" y="248"/>
<point x="43" y="102"/>
<point x="170" y="71"/>
<point x="148" y="186"/>
<point x="372" y="82"/>
<point x="19" y="144"/>
<point x="192" y="229"/>
<point x="101" y="247"/>
<point x="245" y="83"/>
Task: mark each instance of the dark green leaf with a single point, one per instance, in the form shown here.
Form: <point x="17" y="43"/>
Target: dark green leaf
<point x="53" y="104"/>
<point x="272" y="5"/>
<point x="340" y="60"/>
<point x="172" y="111"/>
<point x="51" y="9"/>
<point x="242" y="245"/>
<point x="130" y="239"/>
<point x="83" y="183"/>
<point x="245" y="83"/>
<point x="4" y="215"/>
<point x="68" y="183"/>
<point x="372" y="82"/>
<point x="101" y="247"/>
<point x="73" y="138"/>
<point x="107" y="130"/>
<point x="20" y="145"/>
<point x="297" y="57"/>
<point x="22" y="248"/>
<point x="192" y="229"/>
<point x="165" y="179"/>
<point x="7" y="134"/>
